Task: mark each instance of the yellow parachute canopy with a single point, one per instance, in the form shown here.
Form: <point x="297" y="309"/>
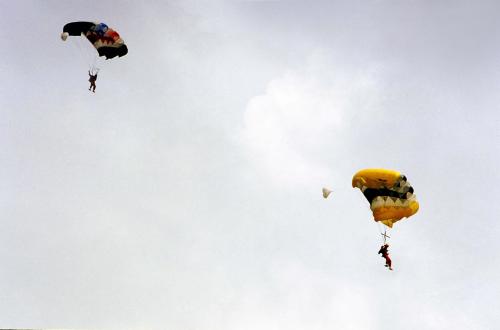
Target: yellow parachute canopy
<point x="390" y="195"/>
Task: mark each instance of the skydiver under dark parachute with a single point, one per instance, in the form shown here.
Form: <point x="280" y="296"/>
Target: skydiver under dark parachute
<point x="92" y="79"/>
<point x="106" y="41"/>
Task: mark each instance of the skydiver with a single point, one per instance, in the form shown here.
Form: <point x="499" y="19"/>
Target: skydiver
<point x="92" y="79"/>
<point x="384" y="250"/>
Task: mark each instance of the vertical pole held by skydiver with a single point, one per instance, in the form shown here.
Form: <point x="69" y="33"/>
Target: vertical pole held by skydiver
<point x="385" y="235"/>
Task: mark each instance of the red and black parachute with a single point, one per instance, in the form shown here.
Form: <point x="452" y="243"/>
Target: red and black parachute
<point x="106" y="41"/>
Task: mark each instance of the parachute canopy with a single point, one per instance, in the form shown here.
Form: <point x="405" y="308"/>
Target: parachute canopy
<point x="326" y="192"/>
<point x="389" y="193"/>
<point x="106" y="41"/>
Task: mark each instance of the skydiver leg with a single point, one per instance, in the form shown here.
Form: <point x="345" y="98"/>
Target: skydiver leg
<point x="388" y="262"/>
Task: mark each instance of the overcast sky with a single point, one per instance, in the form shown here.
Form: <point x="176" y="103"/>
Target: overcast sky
<point x="186" y="192"/>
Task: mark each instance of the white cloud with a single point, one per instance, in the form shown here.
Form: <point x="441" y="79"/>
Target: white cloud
<point x="298" y="297"/>
<point x="288" y="128"/>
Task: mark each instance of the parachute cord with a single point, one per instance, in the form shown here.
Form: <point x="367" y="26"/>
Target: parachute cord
<point x="87" y="53"/>
<point x="94" y="69"/>
<point x="95" y="60"/>
<point x="79" y="49"/>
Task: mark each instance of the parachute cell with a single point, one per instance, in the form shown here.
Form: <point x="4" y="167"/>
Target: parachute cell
<point x="106" y="41"/>
<point x="389" y="193"/>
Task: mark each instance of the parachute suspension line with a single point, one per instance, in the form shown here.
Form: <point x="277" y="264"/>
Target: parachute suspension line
<point x="96" y="63"/>
<point x="93" y="58"/>
<point x="77" y="48"/>
<point x="84" y="52"/>
<point x="94" y="69"/>
<point x="87" y="53"/>
<point x="84" y="49"/>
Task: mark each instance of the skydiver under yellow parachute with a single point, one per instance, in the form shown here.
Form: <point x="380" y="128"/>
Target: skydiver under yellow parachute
<point x="384" y="250"/>
<point x="390" y="196"/>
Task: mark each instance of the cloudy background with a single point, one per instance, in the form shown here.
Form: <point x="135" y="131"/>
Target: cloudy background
<point x="186" y="192"/>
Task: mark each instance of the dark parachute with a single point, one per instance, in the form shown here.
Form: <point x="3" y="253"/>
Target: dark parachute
<point x="106" y="41"/>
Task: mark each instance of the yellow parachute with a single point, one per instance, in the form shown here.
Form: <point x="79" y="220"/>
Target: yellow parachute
<point x="390" y="195"/>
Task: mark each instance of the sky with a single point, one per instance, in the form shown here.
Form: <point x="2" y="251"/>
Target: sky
<point x="186" y="192"/>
